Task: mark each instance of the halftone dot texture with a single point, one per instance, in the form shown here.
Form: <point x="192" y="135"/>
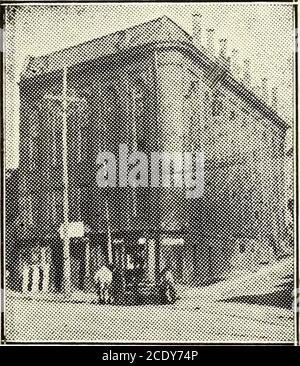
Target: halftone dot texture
<point x="156" y="89"/>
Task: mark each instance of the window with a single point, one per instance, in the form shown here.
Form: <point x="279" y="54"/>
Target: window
<point x="53" y="206"/>
<point x="217" y="107"/>
<point x="54" y="147"/>
<point x="137" y="96"/>
<point x="49" y="206"/>
<point x="134" y="202"/>
<point x="23" y="184"/>
<point x="78" y="203"/>
<point x="56" y="206"/>
<point x="54" y="116"/>
<point x="23" y="210"/>
<point x="137" y="115"/>
<point x="79" y="142"/>
<point x="242" y="247"/>
<point x="29" y="210"/>
<point x="30" y="153"/>
<point x="32" y="145"/>
<point x="232" y="115"/>
<point x="26" y="211"/>
<point x="78" y="114"/>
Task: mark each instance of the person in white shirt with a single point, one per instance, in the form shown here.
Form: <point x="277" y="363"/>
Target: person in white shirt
<point x="103" y="283"/>
<point x="167" y="286"/>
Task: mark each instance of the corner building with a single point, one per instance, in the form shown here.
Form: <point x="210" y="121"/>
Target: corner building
<point x="151" y="88"/>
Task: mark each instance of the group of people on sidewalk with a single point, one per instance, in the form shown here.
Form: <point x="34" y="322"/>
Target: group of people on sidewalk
<point x="106" y="283"/>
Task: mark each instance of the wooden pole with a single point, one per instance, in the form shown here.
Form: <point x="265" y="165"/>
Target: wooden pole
<point x="87" y="275"/>
<point x="157" y="235"/>
<point x="65" y="227"/>
<point x="109" y="239"/>
<point x="66" y="239"/>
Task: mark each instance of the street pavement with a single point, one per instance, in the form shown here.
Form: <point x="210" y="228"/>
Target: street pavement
<point x="201" y="315"/>
<point x="32" y="320"/>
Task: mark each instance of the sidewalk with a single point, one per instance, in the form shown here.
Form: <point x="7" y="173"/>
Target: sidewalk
<point x="75" y="297"/>
<point x="265" y="281"/>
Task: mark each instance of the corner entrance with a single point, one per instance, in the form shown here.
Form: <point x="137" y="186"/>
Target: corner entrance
<point x="136" y="267"/>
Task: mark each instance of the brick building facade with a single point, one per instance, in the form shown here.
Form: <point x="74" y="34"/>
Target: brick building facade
<point x="149" y="87"/>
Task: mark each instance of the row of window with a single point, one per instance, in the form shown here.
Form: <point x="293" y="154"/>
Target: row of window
<point x="54" y="208"/>
<point x="136" y="107"/>
<point x="53" y="115"/>
<point x="55" y="198"/>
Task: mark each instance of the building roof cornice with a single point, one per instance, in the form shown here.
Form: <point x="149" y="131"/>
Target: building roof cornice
<point x="159" y="34"/>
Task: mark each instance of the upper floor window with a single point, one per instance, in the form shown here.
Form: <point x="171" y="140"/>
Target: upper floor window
<point x="78" y="113"/>
<point x="26" y="210"/>
<point x="110" y="121"/>
<point x="242" y="247"/>
<point x="33" y="146"/>
<point x="217" y="107"/>
<point x="56" y="206"/>
<point x="137" y="111"/>
<point x="232" y="115"/>
<point x="54" y="115"/>
<point x="78" y="202"/>
<point x="137" y="119"/>
<point x="79" y="143"/>
<point x="23" y="183"/>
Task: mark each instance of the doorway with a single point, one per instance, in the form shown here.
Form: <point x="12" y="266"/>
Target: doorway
<point x="77" y="253"/>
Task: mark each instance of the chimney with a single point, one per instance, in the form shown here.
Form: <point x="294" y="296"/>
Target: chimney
<point x="235" y="63"/>
<point x="197" y="30"/>
<point x="211" y="41"/>
<point x="223" y="48"/>
<point x="274" y="101"/>
<point x="264" y="89"/>
<point x="246" y="75"/>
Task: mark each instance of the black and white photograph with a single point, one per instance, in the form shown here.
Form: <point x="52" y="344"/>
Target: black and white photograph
<point x="149" y="173"/>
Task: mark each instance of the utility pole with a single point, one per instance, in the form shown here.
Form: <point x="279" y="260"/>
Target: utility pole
<point x="109" y="239"/>
<point x="66" y="239"/>
<point x="65" y="227"/>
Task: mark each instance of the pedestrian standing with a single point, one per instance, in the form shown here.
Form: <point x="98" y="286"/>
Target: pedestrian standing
<point x="103" y="283"/>
<point x="167" y="286"/>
